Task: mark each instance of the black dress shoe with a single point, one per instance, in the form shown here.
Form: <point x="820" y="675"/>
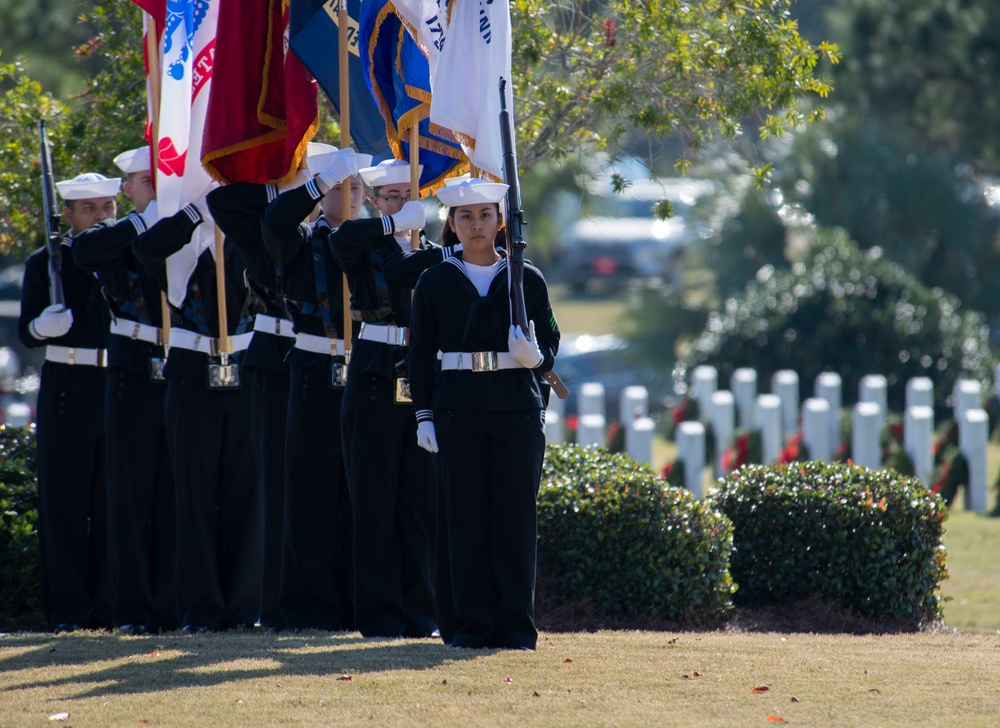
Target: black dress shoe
<point x="133" y="629"/>
<point x="66" y="627"/>
<point x="195" y="628"/>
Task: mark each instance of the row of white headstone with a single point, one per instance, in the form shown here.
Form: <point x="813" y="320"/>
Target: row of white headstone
<point x="778" y="415"/>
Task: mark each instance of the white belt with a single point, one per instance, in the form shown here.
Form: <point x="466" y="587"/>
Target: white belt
<point x="320" y="344"/>
<point x="478" y="361"/>
<point x="273" y="325"/>
<point x="134" y="330"/>
<point x="183" y="339"/>
<point x="74" y="355"/>
<point x="384" y="334"/>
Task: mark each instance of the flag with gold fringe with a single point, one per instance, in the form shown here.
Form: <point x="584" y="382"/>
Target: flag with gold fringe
<point x="398" y="75"/>
<point x="262" y="109"/>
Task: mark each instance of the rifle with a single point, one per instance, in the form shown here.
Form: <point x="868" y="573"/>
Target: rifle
<point x="515" y="238"/>
<point x="53" y="239"/>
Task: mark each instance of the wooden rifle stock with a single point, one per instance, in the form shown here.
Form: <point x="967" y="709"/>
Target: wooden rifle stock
<point x="52" y="237"/>
<point x="515" y="238"/>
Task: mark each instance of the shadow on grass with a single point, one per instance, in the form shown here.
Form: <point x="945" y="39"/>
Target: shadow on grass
<point x="175" y="660"/>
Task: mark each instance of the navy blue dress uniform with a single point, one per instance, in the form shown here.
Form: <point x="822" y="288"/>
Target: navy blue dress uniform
<point x="237" y="208"/>
<point x="141" y="509"/>
<point x="218" y="504"/>
<point x="317" y="560"/>
<point x="76" y="588"/>
<point x="486" y="408"/>
<point x="392" y="481"/>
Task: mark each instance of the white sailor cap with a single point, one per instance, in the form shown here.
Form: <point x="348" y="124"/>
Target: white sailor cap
<point x="472" y="191"/>
<point x="87" y="186"/>
<point x="457" y="180"/>
<point x="319" y="155"/>
<point x="389" y="172"/>
<point x="134" y="160"/>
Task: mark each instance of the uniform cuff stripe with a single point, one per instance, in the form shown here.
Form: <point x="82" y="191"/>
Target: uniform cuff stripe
<point x="193" y="213"/>
<point x="387" y="225"/>
<point x="138" y="223"/>
<point x="272" y="192"/>
<point x="313" y="189"/>
<point x="425" y="415"/>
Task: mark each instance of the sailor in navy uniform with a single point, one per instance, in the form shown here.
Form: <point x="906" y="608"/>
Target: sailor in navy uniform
<point x="218" y="504"/>
<point x="76" y="586"/>
<point x="475" y="382"/>
<point x="391" y="479"/>
<point x="141" y="525"/>
<point x="317" y="561"/>
<point x="237" y="208"/>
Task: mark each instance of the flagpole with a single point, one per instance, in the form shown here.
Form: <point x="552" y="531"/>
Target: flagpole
<point x="220" y="293"/>
<point x="344" y="59"/>
<point x="415" y="176"/>
<point x="153" y="59"/>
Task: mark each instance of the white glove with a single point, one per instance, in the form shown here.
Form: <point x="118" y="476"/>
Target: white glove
<point x="151" y="214"/>
<point x="343" y="165"/>
<point x="426" y="437"/>
<point x="524" y="348"/>
<point x="411" y="217"/>
<point x="55" y="320"/>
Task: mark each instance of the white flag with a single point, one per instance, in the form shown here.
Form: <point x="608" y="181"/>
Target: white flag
<point x="188" y="57"/>
<point x="467" y="58"/>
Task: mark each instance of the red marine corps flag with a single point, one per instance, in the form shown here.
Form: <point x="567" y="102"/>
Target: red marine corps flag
<point x="262" y="110"/>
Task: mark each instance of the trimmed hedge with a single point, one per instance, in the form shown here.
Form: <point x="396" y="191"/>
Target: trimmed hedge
<point x="869" y="540"/>
<point x="612" y="533"/>
<point x="18" y="521"/>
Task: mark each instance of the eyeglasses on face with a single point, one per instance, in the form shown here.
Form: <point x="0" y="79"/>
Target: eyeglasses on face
<point x="394" y="199"/>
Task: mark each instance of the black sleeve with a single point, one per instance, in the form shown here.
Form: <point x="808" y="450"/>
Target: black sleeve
<point x="402" y="269"/>
<point x="350" y="242"/>
<point x="165" y="238"/>
<point x="34" y="298"/>
<point x="422" y="351"/>
<point x="546" y="329"/>
<point x="106" y="242"/>
<point x="237" y="209"/>
<point x="282" y="225"/>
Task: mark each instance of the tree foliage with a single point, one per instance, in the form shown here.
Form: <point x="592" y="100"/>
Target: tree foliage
<point x="926" y="66"/>
<point x="585" y="74"/>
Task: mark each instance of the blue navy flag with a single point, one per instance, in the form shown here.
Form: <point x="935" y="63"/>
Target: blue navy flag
<point x="312" y="33"/>
<point x="398" y="74"/>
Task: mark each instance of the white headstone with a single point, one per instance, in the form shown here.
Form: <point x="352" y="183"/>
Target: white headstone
<point x="558" y="406"/>
<point x="704" y="383"/>
<point x="591" y="430"/>
<point x="865" y="447"/>
<point x="18" y="414"/>
<point x="816" y="428"/>
<point x="769" y="424"/>
<point x="722" y="415"/>
<point x="968" y="396"/>
<point x="554" y="430"/>
<point x="828" y="387"/>
<point x="639" y="440"/>
<point x="919" y="392"/>
<point x="744" y="388"/>
<point x="633" y="405"/>
<point x="691" y="451"/>
<point x="972" y="443"/>
<point x="874" y="388"/>
<point x="785" y="384"/>
<point x="918" y="439"/>
<point x="590" y="400"/>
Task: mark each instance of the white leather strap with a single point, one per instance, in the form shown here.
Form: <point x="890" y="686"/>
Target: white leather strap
<point x="384" y="334"/>
<point x="136" y="331"/>
<point x="319" y="344"/>
<point x="478" y="361"/>
<point x="273" y="325"/>
<point x="76" y="356"/>
<point x="184" y="339"/>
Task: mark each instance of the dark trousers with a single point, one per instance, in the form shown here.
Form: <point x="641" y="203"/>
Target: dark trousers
<point x="491" y="465"/>
<point x="218" y="502"/>
<point x="268" y="408"/>
<point x="141" y="507"/>
<point x="72" y="507"/>
<point x="317" y="562"/>
<point x="393" y="491"/>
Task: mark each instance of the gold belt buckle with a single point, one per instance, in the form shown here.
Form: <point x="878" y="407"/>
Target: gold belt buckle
<point x="485" y="361"/>
<point x="277" y="326"/>
<point x="402" y="393"/>
<point x="135" y="330"/>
